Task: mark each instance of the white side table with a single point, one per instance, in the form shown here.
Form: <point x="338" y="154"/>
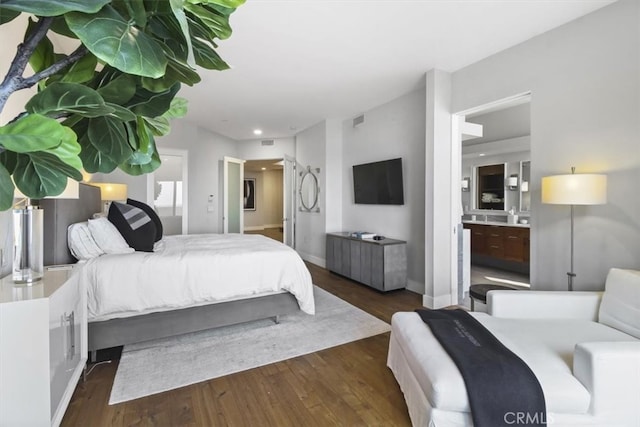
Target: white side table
<point x="43" y="347"/>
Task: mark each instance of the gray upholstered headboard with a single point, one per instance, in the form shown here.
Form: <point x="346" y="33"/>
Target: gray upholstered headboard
<point x="60" y="214"/>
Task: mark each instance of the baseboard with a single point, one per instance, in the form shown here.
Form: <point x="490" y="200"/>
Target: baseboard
<point x="414" y="286"/>
<point x="437" y="302"/>
<point x="254" y="228"/>
<point x="272" y="225"/>
<point x="320" y="262"/>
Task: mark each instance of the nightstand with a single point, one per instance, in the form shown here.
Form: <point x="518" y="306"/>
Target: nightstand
<point x="43" y="347"/>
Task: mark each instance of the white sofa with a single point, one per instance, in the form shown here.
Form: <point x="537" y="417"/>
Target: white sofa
<point x="583" y="347"/>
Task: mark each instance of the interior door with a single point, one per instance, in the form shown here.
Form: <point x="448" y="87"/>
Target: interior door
<point x="233" y="195"/>
<point x="289" y="202"/>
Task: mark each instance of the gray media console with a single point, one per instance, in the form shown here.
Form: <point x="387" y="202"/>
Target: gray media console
<point x="381" y="264"/>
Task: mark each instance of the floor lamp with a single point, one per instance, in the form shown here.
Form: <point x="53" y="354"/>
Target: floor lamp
<point x="28" y="235"/>
<point x="574" y="189"/>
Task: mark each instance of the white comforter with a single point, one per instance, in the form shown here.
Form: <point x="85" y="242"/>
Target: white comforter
<point x="193" y="270"/>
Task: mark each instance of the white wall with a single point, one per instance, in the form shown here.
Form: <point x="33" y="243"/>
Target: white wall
<point x="11" y="35"/>
<point x="395" y="129"/>
<point x="268" y="213"/>
<point x="585" y="109"/>
<point x="206" y="151"/>
<point x="254" y="150"/>
<point x="311" y="226"/>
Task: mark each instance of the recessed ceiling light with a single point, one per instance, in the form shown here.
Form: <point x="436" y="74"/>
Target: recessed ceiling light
<point x="257" y="131"/>
<point x="481" y="154"/>
<point x="264" y="169"/>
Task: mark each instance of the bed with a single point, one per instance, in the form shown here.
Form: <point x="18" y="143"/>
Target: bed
<point x="142" y="296"/>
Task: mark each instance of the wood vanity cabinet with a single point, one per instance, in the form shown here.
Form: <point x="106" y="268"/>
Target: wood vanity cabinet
<point x="500" y="246"/>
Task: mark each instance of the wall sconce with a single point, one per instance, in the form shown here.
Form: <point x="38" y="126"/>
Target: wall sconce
<point x="512" y="182"/>
<point x="465" y="183"/>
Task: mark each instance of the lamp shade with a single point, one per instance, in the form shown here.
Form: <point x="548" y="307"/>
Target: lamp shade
<point x="71" y="191"/>
<point x="110" y="191"/>
<point x="575" y="189"/>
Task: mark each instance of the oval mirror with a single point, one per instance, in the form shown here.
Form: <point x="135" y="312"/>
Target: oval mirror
<point x="309" y="191"/>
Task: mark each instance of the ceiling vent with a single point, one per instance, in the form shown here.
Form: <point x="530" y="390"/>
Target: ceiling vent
<point x="358" y="121"/>
<point x="267" y="142"/>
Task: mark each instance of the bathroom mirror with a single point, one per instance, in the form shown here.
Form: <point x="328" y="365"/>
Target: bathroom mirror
<point x="309" y="190"/>
<point x="490" y="194"/>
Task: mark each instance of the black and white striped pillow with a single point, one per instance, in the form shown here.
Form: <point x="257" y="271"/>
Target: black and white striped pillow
<point x="134" y="224"/>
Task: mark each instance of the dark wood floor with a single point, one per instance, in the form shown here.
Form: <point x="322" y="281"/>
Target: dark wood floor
<point x="348" y="385"/>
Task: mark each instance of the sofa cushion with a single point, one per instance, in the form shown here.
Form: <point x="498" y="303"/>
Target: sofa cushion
<point x="620" y="307"/>
<point x="545" y="345"/>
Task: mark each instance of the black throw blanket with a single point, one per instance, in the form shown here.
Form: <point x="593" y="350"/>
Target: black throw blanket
<point x="502" y="389"/>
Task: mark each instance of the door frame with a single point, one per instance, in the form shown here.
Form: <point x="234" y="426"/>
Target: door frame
<point x="455" y="209"/>
<point x="225" y="193"/>
<point x="185" y="183"/>
<point x="293" y="194"/>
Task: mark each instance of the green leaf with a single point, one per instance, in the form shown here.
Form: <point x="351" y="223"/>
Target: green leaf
<point x="108" y="136"/>
<point x="177" y="7"/>
<point x="7" y="15"/>
<point x="206" y="57"/>
<point x="217" y="23"/>
<point x="93" y="160"/>
<point x="54" y="7"/>
<point x="121" y="113"/>
<point x="9" y="160"/>
<point x="32" y="133"/>
<point x="176" y="72"/>
<point x="43" y="55"/>
<point x="231" y="4"/>
<point x="68" y="150"/>
<point x="60" y="26"/>
<point x="135" y="9"/>
<point x="119" y="90"/>
<point x="82" y="70"/>
<point x="68" y="98"/>
<point x="118" y="43"/>
<point x="6" y="189"/>
<point x="136" y="170"/>
<point x="150" y="104"/>
<point x="178" y="109"/>
<point x="41" y="174"/>
<point x="159" y="126"/>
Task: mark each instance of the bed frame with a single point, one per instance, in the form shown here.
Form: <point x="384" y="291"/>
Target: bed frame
<point x="59" y="214"/>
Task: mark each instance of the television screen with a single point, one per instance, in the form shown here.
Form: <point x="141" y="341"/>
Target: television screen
<point x="379" y="183"/>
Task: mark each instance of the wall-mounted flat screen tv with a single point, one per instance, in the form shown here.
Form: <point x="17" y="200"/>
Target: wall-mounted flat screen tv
<point x="379" y="183"/>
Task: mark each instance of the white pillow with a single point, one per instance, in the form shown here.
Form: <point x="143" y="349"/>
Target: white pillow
<point x="81" y="243"/>
<point x="107" y="236"/>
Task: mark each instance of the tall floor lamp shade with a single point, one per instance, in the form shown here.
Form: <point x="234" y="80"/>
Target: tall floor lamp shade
<point x="574" y="189"/>
<point x="28" y="234"/>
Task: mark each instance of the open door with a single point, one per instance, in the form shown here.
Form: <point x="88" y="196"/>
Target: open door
<point x="289" y="202"/>
<point x="233" y="195"/>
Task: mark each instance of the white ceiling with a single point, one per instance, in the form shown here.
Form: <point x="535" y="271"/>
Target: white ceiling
<point x="296" y="63"/>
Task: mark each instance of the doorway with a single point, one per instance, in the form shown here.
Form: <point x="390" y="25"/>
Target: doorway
<point x="167" y="191"/>
<point x="494" y="171"/>
<point x="266" y="215"/>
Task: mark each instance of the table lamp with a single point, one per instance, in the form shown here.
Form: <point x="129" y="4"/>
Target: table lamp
<point x="28" y="234"/>
<point x="574" y="189"/>
<point x="110" y="192"/>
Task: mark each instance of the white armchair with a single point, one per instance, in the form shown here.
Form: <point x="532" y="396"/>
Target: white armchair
<point x="584" y="348"/>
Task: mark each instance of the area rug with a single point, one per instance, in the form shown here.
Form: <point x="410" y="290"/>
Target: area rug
<point x="165" y="364"/>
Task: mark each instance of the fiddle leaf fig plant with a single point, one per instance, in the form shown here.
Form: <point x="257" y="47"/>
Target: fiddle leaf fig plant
<point x="101" y="106"/>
